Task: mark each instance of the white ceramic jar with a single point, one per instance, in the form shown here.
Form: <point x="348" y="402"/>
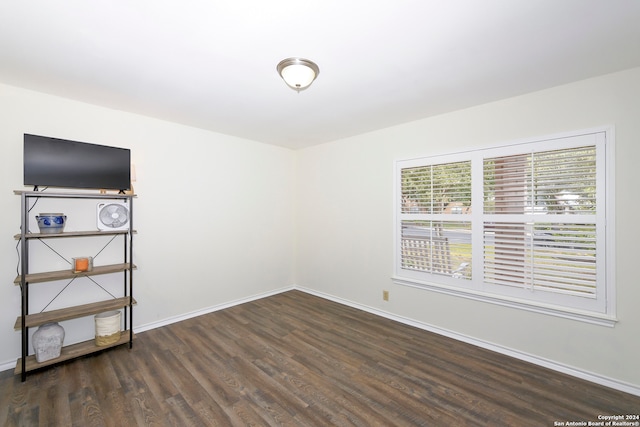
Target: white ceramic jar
<point x="47" y="341"/>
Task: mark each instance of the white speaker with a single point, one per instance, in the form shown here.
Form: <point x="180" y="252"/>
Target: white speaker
<point x="112" y="216"/>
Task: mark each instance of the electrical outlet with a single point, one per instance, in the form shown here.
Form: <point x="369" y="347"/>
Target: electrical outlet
<point x="385" y="295"/>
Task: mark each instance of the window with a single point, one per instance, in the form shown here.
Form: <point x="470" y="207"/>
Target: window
<point x="522" y="225"/>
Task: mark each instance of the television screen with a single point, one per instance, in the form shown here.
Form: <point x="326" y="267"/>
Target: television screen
<point x="70" y="164"/>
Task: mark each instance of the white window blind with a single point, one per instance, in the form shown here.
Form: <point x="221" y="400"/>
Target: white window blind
<point x="436" y="230"/>
<point x="547" y="245"/>
<point x="435" y="188"/>
<point x="523" y="223"/>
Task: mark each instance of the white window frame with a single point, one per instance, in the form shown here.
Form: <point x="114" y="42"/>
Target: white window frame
<point x="600" y="310"/>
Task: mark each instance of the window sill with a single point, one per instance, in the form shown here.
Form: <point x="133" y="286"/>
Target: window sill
<point x="581" y="316"/>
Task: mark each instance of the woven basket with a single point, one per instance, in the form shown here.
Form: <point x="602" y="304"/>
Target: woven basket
<point x="107" y="328"/>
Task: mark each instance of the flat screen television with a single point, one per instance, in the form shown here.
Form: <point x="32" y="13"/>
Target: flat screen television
<point x="55" y="162"/>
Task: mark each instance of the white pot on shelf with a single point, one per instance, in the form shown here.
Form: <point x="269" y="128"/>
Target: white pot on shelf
<point x="47" y="341"/>
<point x="107" y="328"/>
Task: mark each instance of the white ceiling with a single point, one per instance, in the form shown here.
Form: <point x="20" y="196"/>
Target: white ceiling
<point x="212" y="64"/>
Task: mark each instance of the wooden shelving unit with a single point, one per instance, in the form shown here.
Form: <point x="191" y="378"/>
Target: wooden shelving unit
<point x="25" y="279"/>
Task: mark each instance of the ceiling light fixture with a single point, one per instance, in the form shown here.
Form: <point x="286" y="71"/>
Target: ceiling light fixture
<point x="298" y="73"/>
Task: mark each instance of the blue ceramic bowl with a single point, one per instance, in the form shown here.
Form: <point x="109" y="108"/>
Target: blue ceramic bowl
<point x="51" y="222"/>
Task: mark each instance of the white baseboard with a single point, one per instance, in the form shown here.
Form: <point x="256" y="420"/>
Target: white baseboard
<point x="569" y="370"/>
<point x="208" y="310"/>
<point x="8" y="365"/>
<point x="565" y="369"/>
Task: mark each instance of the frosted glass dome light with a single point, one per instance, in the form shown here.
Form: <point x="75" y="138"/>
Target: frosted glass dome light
<point x="298" y="73"/>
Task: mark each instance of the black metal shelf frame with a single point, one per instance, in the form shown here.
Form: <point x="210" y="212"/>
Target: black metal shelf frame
<point x="24" y="258"/>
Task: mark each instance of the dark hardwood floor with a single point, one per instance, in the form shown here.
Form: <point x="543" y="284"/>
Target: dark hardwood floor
<point x="298" y="360"/>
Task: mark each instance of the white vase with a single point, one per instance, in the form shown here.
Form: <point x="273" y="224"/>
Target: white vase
<point x="47" y="341"/>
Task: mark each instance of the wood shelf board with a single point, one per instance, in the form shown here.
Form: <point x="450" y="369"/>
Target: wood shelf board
<point x="72" y="234"/>
<point x="37" y="319"/>
<point x="49" y="276"/>
<point x="70" y="352"/>
<point x="74" y="195"/>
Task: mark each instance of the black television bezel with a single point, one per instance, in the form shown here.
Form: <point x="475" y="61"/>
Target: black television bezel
<point x="64" y="163"/>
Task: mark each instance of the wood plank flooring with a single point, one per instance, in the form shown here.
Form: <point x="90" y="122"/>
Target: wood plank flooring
<point x="298" y="360"/>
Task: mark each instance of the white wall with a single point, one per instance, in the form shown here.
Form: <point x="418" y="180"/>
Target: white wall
<point x="345" y="214"/>
<point x="215" y="214"/>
